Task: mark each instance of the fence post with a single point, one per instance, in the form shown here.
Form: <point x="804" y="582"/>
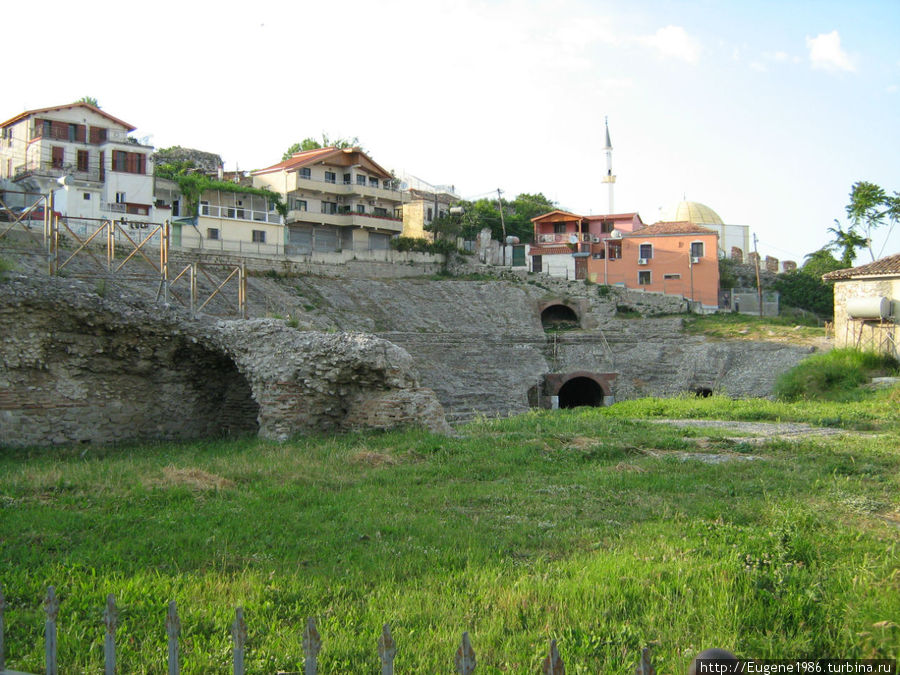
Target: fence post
<point x="193" y="290"/>
<point x="173" y="628"/>
<point x="239" y="635"/>
<point x="465" y="657"/>
<point x="2" y="652"/>
<point x="553" y="664"/>
<point x="312" y="643"/>
<point x="111" y="619"/>
<point x="387" y="650"/>
<point x="51" y="606"/>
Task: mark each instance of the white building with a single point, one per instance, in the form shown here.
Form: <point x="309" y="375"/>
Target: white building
<point x="730" y="236"/>
<point x="85" y="156"/>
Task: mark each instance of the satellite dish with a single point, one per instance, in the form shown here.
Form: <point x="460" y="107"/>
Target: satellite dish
<point x="615" y="234"/>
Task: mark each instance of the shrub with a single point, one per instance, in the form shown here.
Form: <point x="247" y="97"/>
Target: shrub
<point x="832" y="376"/>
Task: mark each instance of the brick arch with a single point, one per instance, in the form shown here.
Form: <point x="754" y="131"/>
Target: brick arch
<point x="580" y="387"/>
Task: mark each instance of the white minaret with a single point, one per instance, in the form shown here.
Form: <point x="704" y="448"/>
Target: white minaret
<point x="609" y="177"/>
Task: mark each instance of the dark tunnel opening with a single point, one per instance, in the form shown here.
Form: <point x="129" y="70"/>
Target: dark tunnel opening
<point x="580" y="391"/>
<point x="555" y="316"/>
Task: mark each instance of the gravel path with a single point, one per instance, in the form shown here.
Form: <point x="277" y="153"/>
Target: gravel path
<point x="766" y="429"/>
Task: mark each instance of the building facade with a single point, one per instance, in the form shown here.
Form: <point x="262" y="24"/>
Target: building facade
<point x="867" y="306"/>
<point x="84" y="156"/>
<point x="338" y="199"/>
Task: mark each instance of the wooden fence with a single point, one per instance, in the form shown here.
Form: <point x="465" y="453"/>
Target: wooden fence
<point x="464" y="660"/>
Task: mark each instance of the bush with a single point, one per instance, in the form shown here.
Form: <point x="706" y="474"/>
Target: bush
<point x="799" y="289"/>
<point x="417" y="245"/>
<point x="833" y="376"/>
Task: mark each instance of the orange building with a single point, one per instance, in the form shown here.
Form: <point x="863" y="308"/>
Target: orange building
<point x="676" y="258"/>
<point x="672" y="258"/>
<point x="564" y="242"/>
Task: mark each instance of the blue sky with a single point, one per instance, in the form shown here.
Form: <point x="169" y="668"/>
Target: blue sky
<point x="767" y="112"/>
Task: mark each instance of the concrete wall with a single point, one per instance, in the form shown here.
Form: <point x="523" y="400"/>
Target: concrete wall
<point x="883" y="337"/>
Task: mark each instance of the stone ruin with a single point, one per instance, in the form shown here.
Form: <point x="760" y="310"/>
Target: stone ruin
<point x="78" y="367"/>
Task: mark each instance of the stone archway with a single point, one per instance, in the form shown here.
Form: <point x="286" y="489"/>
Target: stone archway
<point x="558" y="315"/>
<point x="581" y="391"/>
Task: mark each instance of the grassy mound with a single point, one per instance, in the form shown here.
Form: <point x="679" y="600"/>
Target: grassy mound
<point x="835" y="376"/>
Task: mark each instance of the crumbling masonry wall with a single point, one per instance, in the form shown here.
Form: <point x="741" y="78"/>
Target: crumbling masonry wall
<point x="77" y="367"/>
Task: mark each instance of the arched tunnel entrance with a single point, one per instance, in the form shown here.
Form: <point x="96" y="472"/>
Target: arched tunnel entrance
<point x="559" y="316"/>
<point x="581" y="391"/>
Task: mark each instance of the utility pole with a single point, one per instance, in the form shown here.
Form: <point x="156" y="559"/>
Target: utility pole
<point x="758" y="287"/>
<point x="502" y="224"/>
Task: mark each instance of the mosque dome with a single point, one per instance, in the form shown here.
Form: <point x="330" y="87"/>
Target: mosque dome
<point x="691" y="212"/>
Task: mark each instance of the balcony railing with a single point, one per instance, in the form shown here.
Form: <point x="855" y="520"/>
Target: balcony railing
<point x="565" y="238"/>
<point x="350" y="188"/>
<point x="351" y="219"/>
<point x="238" y="213"/>
<point x="54" y="170"/>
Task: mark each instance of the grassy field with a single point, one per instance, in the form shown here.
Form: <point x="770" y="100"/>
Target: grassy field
<point x="745" y="327"/>
<point x="606" y="533"/>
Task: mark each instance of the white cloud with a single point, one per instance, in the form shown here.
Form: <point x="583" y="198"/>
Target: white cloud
<point x="673" y="42"/>
<point x="892" y="89"/>
<point x="825" y="52"/>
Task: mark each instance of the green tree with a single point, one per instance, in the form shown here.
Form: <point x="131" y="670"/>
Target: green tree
<point x="846" y="243"/>
<point x="90" y="100"/>
<point x="871" y="208"/>
<point x="805" y="291"/>
<point x="820" y="262"/>
<point x="310" y="143"/>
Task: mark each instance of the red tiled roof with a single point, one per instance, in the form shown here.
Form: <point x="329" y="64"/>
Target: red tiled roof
<point x="299" y="159"/>
<point x="889" y="266"/>
<point x="558" y="214"/>
<point x="81" y="104"/>
<point x="680" y="227"/>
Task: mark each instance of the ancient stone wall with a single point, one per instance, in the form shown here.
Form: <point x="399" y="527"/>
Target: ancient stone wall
<point x="77" y="367"/>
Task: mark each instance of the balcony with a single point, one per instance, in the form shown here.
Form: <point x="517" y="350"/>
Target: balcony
<point x="361" y="220"/>
<point x="350" y="189"/>
<point x="54" y="170"/>
<point x="236" y="213"/>
<point x="563" y="238"/>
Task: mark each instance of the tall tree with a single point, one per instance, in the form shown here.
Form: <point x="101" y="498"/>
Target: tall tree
<point x="870" y="208"/>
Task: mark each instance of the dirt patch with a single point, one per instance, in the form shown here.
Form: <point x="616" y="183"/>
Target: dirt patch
<point x="196" y="479"/>
<point x="374" y="459"/>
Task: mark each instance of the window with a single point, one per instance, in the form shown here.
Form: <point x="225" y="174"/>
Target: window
<point x="129" y="162"/>
<point x="346" y="179"/>
<point x="360" y="179"/>
<point x="299" y="205"/>
<point x="360" y="208"/>
<point x="330" y="177"/>
<point x="387" y="185"/>
<point x="373" y="182"/>
<point x="86" y="196"/>
<point x="646" y="251"/>
<point x="696" y="249"/>
<point x="259" y="236"/>
<point x="615" y="250"/>
<point x="304" y="172"/>
<point x="430" y="214"/>
<point x="329" y="207"/>
<point x="82" y="160"/>
<point x="176" y="207"/>
<point x="204" y="208"/>
<point x="378" y="211"/>
<point x="98" y="135"/>
<point x="644" y="277"/>
<point x="57" y="155"/>
<point x="120" y="198"/>
<point x="559" y="228"/>
<point x="671" y="276"/>
<point x="212" y="233"/>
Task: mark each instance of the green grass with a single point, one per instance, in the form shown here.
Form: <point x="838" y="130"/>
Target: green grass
<point x="734" y="326"/>
<point x="834" y="376"/>
<point x="582" y="525"/>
